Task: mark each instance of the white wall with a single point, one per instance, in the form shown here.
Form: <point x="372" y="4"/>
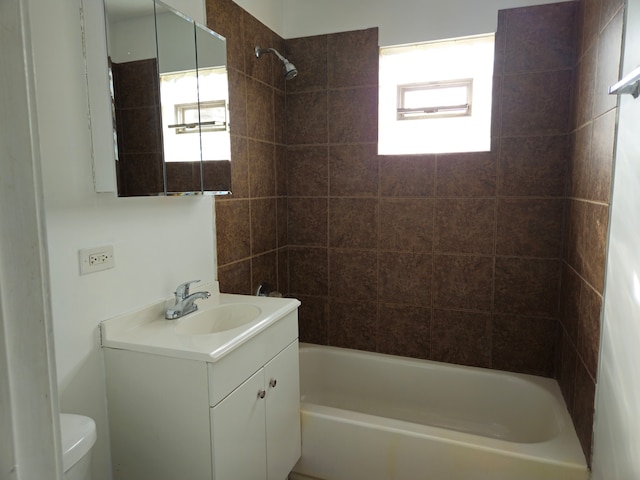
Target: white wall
<point x="29" y="443"/>
<point x="158" y="242"/>
<point x="269" y="12"/>
<point x="399" y="21"/>
<point x="617" y="425"/>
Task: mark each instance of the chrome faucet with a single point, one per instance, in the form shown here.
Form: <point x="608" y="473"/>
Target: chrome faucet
<point x="185" y="302"/>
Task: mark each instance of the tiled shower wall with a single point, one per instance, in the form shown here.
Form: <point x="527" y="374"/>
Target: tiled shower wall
<point x="599" y="39"/>
<point x="453" y="257"/>
<point x="251" y="223"/>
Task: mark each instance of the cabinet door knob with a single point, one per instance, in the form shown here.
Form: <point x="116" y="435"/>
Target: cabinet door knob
<point x="261" y="393"/>
<point x="273" y="382"/>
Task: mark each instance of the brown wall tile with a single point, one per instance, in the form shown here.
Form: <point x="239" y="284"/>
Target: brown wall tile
<point x="496" y="104"/>
<point x="589" y="328"/>
<point x="584" y="90"/>
<point x="591" y="22"/>
<point x="466" y="174"/>
<point x="566" y="369"/>
<point x="608" y="10"/>
<point x="354" y="58"/>
<point x="256" y="33"/>
<point x="524" y="344"/>
<point x="534" y="166"/>
<point x="591" y="247"/>
<point x="262" y="169"/>
<point x="536" y="103"/>
<point x="580" y="162"/>
<point x="353" y="115"/>
<point x="313" y="319"/>
<point x="281" y="171"/>
<point x="264" y="269"/>
<point x="608" y="69"/>
<point x="280" y="117"/>
<point x="583" y="408"/>
<point x="353" y="222"/>
<point x="283" y="270"/>
<point x="462" y="282"/>
<point x="527" y="286"/>
<point x="530" y="227"/>
<point x="308" y="171"/>
<point x="307" y="118"/>
<point x="406" y="224"/>
<point x="574" y="222"/>
<point x="309" y="55"/>
<point x="601" y="159"/>
<point x="404" y="330"/>
<point x="237" y="82"/>
<point x="353" y="275"/>
<point x="308" y="271"/>
<point x="405" y="278"/>
<point x="464" y="225"/>
<point x="264" y="230"/>
<point x="239" y="169"/>
<point x="407" y="176"/>
<point x="307" y="219"/>
<point x="353" y="325"/>
<point x="260" y="111"/>
<point x="233" y="230"/>
<point x="540" y="38"/>
<point x="225" y="17"/>
<point x="236" y="278"/>
<point x="570" y="302"/>
<point x="353" y="170"/>
<point x="461" y="337"/>
<point x="500" y="43"/>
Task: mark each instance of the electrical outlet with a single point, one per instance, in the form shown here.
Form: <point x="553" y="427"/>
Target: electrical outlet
<point x="96" y="259"/>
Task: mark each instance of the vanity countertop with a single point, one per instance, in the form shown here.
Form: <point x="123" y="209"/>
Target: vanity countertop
<point x="147" y="330"/>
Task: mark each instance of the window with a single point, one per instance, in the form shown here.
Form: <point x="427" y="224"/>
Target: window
<point x="211" y="117"/>
<point x="436" y="97"/>
<point x="181" y="92"/>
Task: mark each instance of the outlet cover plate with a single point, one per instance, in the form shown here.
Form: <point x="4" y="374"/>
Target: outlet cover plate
<point x="96" y="259"/>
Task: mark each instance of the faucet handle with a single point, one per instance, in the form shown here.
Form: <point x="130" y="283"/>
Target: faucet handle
<point x="182" y="291"/>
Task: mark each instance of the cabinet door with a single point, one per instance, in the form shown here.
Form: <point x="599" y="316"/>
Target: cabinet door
<point x="237" y="430"/>
<point x="282" y="381"/>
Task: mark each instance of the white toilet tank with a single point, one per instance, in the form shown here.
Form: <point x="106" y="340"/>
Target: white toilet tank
<point x="78" y="437"/>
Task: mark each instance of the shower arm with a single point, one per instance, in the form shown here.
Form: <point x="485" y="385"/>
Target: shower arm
<point x="259" y="51"/>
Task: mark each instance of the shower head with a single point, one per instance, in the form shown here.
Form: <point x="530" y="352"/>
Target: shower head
<point x="289" y="68"/>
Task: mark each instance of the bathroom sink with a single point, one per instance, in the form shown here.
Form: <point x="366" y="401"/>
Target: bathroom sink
<point x="217" y="319"/>
<point x="223" y="323"/>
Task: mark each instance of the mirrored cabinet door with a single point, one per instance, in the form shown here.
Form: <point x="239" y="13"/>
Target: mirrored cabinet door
<point x="213" y="101"/>
<point x="170" y="99"/>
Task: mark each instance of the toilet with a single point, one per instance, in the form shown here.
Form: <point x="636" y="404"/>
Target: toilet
<point x="78" y="437"/>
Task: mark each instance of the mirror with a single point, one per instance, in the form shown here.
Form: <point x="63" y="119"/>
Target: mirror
<point x="170" y="101"/>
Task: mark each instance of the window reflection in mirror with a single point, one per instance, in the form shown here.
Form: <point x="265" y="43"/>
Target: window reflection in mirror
<point x="171" y="112"/>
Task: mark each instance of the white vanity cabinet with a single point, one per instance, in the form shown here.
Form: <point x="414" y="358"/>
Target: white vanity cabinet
<point x="258" y="424"/>
<point x="178" y="416"/>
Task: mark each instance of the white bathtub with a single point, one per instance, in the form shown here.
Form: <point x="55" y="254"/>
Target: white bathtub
<point x="380" y="417"/>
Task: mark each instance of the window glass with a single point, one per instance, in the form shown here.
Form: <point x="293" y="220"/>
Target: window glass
<point x="435" y="99"/>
